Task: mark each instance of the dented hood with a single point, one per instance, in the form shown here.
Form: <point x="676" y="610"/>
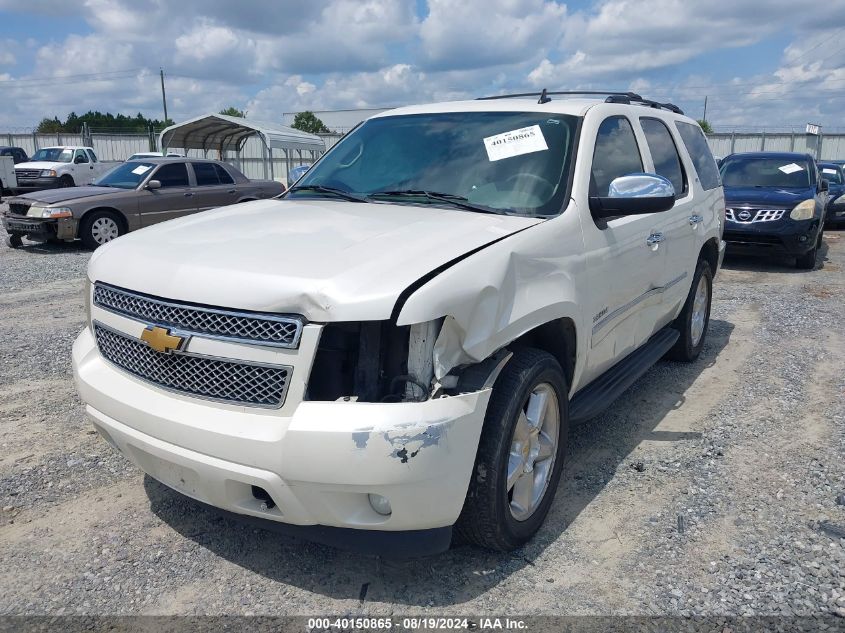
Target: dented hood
<point x="327" y="260"/>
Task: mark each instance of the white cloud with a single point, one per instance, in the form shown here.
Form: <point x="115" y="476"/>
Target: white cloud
<point x="478" y="33"/>
<point x="327" y="54"/>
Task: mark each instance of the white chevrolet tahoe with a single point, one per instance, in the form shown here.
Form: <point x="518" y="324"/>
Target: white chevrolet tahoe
<point x="400" y="345"/>
<point x="64" y="166"/>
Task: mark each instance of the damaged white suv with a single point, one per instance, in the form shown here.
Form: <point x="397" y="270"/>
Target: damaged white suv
<point x="399" y="346"/>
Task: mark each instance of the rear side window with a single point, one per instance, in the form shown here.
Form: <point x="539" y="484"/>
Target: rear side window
<point x="92" y="155"/>
<point x="172" y="175"/>
<point x="616" y="154"/>
<point x="223" y="175"/>
<point x="205" y="174"/>
<point x="699" y="151"/>
<point x="667" y="162"/>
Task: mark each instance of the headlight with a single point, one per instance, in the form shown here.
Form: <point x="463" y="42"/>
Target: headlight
<point x="57" y="212"/>
<point x="839" y="200"/>
<point x="804" y="211"/>
<point x="49" y="212"/>
<point x="48" y="173"/>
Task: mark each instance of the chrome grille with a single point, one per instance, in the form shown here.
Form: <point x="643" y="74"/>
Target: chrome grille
<point x="27" y="173"/>
<point x="242" y="327"/>
<point x="223" y="380"/>
<point x="757" y="215"/>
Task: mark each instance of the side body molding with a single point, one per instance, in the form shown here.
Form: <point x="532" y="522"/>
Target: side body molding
<point x="505" y="290"/>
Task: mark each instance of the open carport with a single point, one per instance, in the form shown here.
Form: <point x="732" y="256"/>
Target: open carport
<point x="222" y="133"/>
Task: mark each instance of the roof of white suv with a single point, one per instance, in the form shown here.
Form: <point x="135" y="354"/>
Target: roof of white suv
<point x="566" y="104"/>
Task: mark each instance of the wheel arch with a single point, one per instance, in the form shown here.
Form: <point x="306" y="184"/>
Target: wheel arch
<point x="710" y="253"/>
<point x="557" y="337"/>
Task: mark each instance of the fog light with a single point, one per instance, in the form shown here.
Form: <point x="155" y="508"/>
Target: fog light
<point x="802" y="238"/>
<point x="380" y="504"/>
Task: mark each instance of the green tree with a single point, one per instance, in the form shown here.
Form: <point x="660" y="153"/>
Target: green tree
<point x="106" y="122"/>
<point x="705" y="126"/>
<point x="232" y="111"/>
<point x="49" y="126"/>
<point x="308" y="122"/>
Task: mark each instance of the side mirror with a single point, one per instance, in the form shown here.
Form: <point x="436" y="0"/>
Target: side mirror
<point x="824" y="185"/>
<point x="634" y="194"/>
<point x="153" y="184"/>
<point x="78" y="160"/>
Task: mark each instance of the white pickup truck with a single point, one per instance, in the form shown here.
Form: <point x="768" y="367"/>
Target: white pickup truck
<point x="64" y="166"/>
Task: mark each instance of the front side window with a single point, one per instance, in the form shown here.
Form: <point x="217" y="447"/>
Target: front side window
<point x="510" y="162"/>
<point x="667" y="162"/>
<point x="81" y="157"/>
<point x="616" y="154"/>
<point x="753" y="171"/>
<point x="172" y="175"/>
<point x="699" y="151"/>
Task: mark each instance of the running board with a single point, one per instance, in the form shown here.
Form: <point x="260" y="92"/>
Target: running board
<point x="600" y="394"/>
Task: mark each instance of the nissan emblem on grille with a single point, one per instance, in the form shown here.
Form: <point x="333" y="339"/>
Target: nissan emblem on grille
<point x="243" y="327"/>
<point x="222" y="379"/>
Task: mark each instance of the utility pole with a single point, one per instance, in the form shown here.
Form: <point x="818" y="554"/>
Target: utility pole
<point x="163" y="97"/>
<point x="704" y="118"/>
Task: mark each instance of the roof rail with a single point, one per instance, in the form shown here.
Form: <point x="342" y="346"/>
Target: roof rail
<point x="612" y="97"/>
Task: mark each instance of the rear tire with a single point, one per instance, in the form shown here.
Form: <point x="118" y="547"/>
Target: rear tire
<point x="523" y="439"/>
<point x="694" y="319"/>
<point x="100" y="227"/>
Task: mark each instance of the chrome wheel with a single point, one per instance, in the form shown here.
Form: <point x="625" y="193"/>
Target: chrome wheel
<point x="104" y="229"/>
<point x="699" y="311"/>
<point x="533" y="449"/>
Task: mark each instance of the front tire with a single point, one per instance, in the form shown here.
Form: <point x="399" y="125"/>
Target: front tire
<point x="66" y="181"/>
<point x="14" y="241"/>
<point x="694" y="319"/>
<point x="100" y="227"/>
<point x="520" y="453"/>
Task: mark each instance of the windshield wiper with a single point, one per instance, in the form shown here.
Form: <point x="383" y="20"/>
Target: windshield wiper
<point x="347" y="195"/>
<point x="449" y="198"/>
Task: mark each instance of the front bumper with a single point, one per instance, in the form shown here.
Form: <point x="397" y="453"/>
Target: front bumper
<point x="786" y="236"/>
<point x="40" y="229"/>
<point x="26" y="185"/>
<point x="318" y="461"/>
<point x="35" y="228"/>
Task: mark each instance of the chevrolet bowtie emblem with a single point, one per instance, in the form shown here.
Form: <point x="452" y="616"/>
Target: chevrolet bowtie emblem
<point x="161" y="340"/>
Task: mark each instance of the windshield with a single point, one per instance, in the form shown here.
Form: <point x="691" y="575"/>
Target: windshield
<point x="765" y="172"/>
<point x="53" y="155"/>
<point x="832" y="174"/>
<point x="510" y="161"/>
<point x="126" y="175"/>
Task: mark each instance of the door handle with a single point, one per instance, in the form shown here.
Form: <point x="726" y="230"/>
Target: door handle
<point x="188" y="194"/>
<point x="654" y="239"/>
<point x="695" y="219"/>
<point x="231" y="191"/>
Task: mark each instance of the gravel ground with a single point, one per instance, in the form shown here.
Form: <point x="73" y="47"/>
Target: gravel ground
<point x="708" y="489"/>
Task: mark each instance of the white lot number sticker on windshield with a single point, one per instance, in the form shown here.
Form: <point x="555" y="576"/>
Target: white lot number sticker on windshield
<point x="515" y="143"/>
<point x="141" y="169"/>
<point x="791" y="168"/>
<point x="828" y="171"/>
